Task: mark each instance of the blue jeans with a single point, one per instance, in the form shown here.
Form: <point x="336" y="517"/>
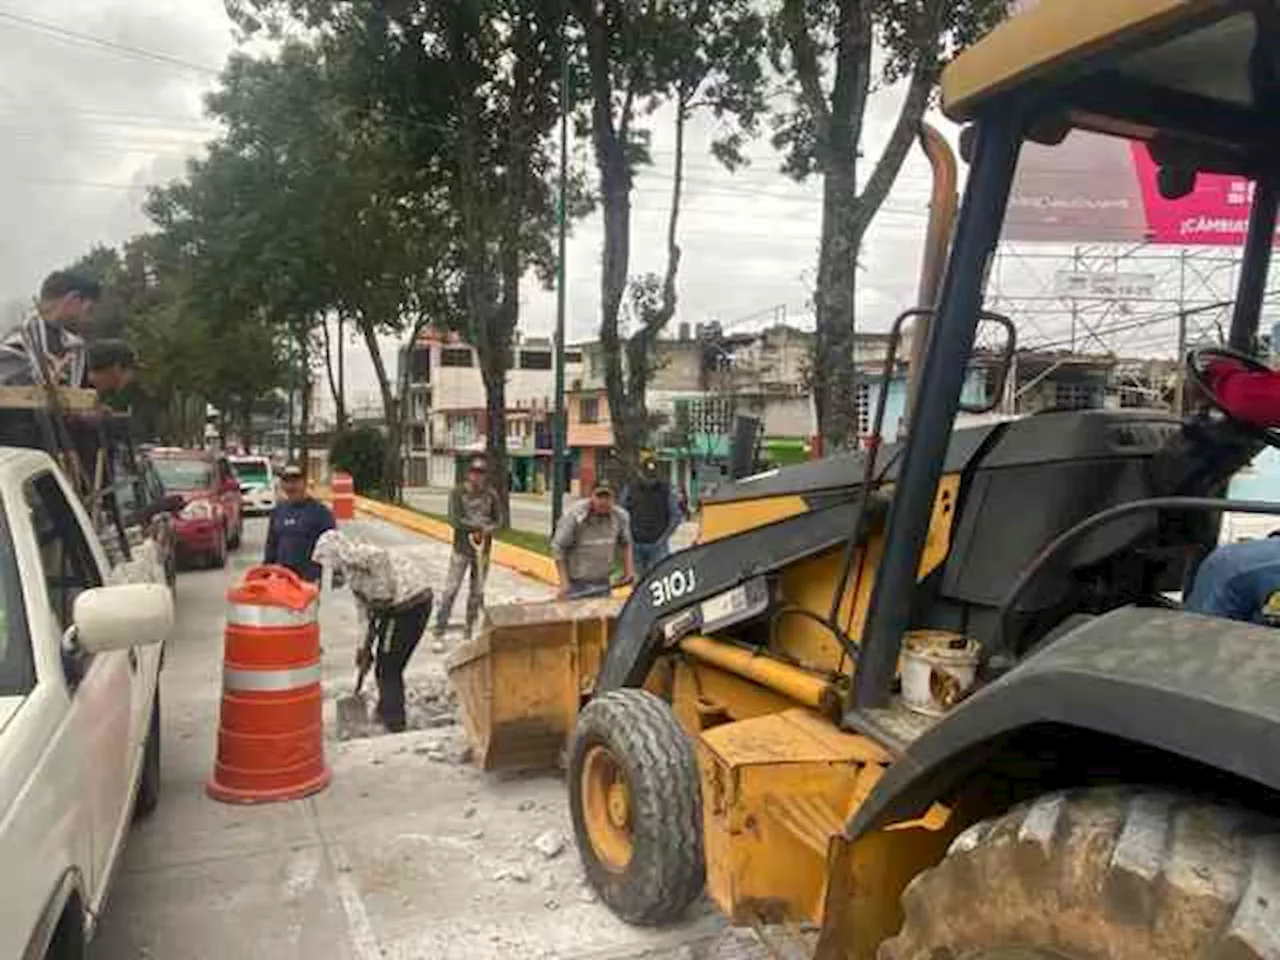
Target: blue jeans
<point x="649" y="555"/>
<point x="1239" y="581"/>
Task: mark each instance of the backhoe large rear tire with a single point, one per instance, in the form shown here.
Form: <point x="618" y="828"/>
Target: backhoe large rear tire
<point x="637" y="806"/>
<point x="1101" y="874"/>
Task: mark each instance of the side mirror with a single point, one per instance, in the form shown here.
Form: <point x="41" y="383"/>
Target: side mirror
<point x="245" y="487"/>
<point x="231" y="485"/>
<point x="1002" y="353"/>
<point x="173" y="503"/>
<point x="122" y="616"/>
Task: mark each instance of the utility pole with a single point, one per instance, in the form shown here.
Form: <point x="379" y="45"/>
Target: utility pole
<point x="559" y="473"/>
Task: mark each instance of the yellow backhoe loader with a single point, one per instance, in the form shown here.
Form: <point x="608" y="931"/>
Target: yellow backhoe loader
<point x="937" y="701"/>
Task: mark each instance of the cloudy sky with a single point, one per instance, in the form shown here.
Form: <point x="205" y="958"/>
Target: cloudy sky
<point x="100" y="99"/>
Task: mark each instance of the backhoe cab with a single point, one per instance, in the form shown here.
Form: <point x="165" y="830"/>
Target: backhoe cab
<point x="934" y="701"/>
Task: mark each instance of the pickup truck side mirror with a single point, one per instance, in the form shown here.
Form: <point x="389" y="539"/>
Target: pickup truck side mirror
<point x="230" y="485"/>
<point x="173" y="503"/>
<point x="122" y="616"/>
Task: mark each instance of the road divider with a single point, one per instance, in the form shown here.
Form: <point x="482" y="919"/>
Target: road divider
<point x="519" y="559"/>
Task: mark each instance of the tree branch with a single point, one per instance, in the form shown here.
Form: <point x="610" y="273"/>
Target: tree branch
<point x="808" y="72"/>
<point x="895" y="152"/>
<point x="668" y="308"/>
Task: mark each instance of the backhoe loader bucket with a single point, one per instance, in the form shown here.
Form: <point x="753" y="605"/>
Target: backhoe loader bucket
<point x="521" y="680"/>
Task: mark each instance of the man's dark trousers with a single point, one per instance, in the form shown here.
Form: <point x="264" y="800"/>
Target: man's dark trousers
<point x="406" y="627"/>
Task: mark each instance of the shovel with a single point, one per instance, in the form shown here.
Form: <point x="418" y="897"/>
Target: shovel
<point x="351" y="709"/>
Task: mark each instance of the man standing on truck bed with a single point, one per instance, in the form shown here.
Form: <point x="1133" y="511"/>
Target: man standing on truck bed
<point x="296" y="525"/>
<point x="475" y="513"/>
<point x="44" y="344"/>
<point x="587" y="542"/>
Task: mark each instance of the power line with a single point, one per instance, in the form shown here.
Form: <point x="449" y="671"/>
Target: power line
<point x="72" y="36"/>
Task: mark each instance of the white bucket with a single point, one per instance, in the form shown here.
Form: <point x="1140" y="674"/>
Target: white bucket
<point x="939" y="669"/>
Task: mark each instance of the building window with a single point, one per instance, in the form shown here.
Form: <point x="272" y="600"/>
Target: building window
<point x="710" y="416"/>
<point x="455" y="357"/>
<point x="535" y="359"/>
<point x="420" y="366"/>
<point x="863" y="401"/>
<point x="589" y="409"/>
<point x="418" y="438"/>
<point x="1073" y="396"/>
<point x="572" y="356"/>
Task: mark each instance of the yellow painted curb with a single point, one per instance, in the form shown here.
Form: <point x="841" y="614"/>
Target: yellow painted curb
<point x="524" y="561"/>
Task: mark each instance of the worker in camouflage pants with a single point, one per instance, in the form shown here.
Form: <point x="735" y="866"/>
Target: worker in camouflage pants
<point x="475" y="514"/>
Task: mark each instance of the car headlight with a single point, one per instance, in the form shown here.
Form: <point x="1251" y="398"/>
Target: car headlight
<point x="198" y="510"/>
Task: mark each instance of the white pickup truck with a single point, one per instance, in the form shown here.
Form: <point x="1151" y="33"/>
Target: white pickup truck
<point x="79" y="711"/>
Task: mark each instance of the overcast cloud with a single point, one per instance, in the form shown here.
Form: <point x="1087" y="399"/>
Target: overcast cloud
<point x="87" y="127"/>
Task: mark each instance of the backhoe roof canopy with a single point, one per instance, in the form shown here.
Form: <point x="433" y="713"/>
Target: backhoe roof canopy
<point x="1197" y="79"/>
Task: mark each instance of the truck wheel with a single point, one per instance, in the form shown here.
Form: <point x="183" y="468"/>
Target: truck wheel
<point x="149" y="779"/>
<point x="1120" y="873"/>
<point x="637" y="806"/>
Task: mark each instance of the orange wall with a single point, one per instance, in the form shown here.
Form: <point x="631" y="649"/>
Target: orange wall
<point x="598" y="434"/>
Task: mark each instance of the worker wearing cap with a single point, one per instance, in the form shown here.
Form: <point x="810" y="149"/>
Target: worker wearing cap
<point x="655" y="514"/>
<point x="475" y="513"/>
<point x="296" y="525"/>
<point x="587" y="542"/>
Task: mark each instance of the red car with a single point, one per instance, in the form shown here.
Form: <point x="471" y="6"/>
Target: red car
<point x="212" y="516"/>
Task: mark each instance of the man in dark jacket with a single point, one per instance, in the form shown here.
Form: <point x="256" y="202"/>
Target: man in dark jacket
<point x="655" y="513"/>
<point x="296" y="525"/>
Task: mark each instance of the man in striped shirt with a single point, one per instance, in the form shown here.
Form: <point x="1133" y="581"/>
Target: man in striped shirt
<point x="44" y="348"/>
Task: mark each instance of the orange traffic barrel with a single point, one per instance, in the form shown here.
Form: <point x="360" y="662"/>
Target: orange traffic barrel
<point x="343" y="491"/>
<point x="270" y="735"/>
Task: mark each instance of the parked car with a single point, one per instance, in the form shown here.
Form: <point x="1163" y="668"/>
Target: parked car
<point x="79" y="711"/>
<point x="257" y="483"/>
<point x="211" y="519"/>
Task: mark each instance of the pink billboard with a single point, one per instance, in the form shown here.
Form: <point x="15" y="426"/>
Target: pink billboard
<point x="1096" y="189"/>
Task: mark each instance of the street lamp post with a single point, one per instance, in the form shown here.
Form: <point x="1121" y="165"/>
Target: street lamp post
<point x="559" y="472"/>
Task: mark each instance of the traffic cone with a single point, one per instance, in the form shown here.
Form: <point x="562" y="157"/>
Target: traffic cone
<point x="271" y="730"/>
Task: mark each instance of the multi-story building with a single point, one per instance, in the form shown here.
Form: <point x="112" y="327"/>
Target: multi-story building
<point x="447" y="410"/>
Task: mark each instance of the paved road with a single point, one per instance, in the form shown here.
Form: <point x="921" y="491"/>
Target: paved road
<point x="532" y="514"/>
<point x="410" y="853"/>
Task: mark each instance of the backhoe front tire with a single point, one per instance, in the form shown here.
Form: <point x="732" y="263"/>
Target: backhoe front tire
<point x="1101" y="874"/>
<point x="637" y="807"/>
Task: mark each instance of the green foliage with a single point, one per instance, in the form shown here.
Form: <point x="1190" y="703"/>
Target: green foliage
<point x="810" y="43"/>
<point x="834" y="55"/>
<point x="692" y="55"/>
<point x="361" y="453"/>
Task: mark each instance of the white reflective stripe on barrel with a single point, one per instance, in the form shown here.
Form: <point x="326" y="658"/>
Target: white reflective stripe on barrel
<point x="250" y="615"/>
<point x="270" y="681"/>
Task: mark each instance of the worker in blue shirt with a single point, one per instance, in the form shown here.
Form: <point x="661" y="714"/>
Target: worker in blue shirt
<point x="296" y="525"/>
<point x="1240" y="581"/>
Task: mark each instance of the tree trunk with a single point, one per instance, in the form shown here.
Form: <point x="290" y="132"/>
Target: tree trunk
<point x="390" y="411"/>
<point x="341" y="398"/>
<point x="304" y="414"/>
<point x="395" y="490"/>
<point x="334" y="374"/>
<point x="610" y="138"/>
<point x="834" y="374"/>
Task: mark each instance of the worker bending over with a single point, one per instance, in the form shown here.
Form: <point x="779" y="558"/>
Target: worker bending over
<point x="588" y="541"/>
<point x="393" y="597"/>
